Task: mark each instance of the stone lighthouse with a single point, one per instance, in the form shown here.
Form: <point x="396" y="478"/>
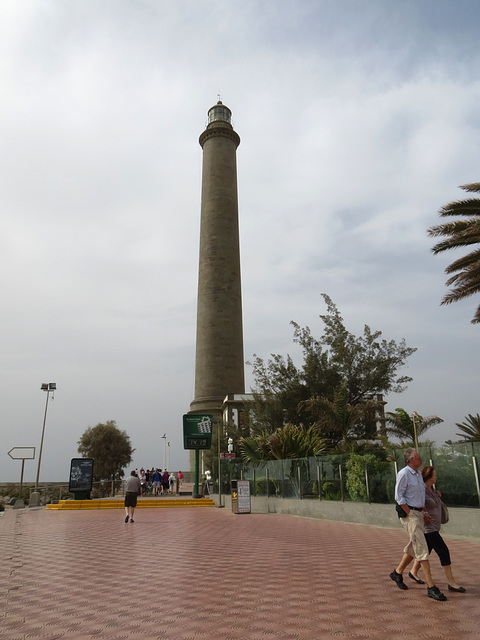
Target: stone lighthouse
<point x="219" y="364"/>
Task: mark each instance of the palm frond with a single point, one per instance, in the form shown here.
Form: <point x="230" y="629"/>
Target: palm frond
<point x="460" y="233"/>
<point x="470" y="428"/>
<point x="470" y="261"/>
<point x="474" y="186"/>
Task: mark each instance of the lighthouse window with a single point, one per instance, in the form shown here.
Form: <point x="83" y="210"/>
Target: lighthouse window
<point x="219" y="113"/>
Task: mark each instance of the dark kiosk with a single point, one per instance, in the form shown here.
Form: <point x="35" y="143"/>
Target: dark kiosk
<point x="81" y="478"/>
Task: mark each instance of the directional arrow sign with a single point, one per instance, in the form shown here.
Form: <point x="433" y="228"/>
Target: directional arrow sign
<point x="22" y="453"/>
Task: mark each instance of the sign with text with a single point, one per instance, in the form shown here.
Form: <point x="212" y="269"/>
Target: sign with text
<point x="240" y="496"/>
<point x="81" y="475"/>
<point x="243" y="488"/>
<point x="197" y="431"/>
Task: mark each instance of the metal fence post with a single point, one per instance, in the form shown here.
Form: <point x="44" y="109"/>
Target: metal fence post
<point x="341" y="482"/>
<point x="475" y="469"/>
<point x="319" y="479"/>
<point x="366" y="484"/>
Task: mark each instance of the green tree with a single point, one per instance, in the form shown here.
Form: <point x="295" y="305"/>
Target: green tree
<point x="109" y="447"/>
<point x="279" y="388"/>
<point x="368" y="365"/>
<point x="340" y="421"/>
<point x="404" y="426"/>
<point x="356" y="485"/>
<point x="290" y="441"/>
<point x="464" y="232"/>
<point x="470" y="428"/>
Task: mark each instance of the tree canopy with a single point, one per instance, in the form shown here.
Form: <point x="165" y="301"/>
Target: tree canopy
<point x="110" y="448"/>
<point x="364" y="366"/>
<point x="461" y="233"/>
<point x="340" y="421"/>
<point x="470" y="428"/>
<point x="285" y="442"/>
<point x="406" y="427"/>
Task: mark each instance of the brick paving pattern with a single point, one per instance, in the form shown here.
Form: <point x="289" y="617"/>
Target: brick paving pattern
<point x="208" y="574"/>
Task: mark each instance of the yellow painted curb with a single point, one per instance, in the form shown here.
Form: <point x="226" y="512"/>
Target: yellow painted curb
<point x="149" y="503"/>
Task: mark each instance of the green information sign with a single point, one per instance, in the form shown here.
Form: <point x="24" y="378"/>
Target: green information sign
<point x="197" y="431"/>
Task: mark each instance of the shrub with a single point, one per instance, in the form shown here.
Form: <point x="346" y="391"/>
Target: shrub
<point x="261" y="487"/>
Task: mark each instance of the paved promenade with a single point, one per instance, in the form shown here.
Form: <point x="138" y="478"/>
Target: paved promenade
<point x="207" y="574"/>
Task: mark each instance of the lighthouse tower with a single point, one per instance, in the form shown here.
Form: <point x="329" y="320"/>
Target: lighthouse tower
<point x="219" y="365"/>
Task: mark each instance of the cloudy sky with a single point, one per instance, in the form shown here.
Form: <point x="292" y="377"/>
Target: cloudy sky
<point x="358" y="121"/>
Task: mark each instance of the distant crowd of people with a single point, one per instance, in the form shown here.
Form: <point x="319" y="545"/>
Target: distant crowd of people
<point x="154" y="482"/>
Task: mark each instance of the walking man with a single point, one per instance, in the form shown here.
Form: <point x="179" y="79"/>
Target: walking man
<point x="131" y="491"/>
<point x="410" y="496"/>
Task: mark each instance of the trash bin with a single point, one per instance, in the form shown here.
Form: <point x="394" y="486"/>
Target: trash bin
<point x="240" y="492"/>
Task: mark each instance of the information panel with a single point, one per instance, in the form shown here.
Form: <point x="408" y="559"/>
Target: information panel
<point x="243" y="488"/>
<point x="197" y="431"/>
<point x="81" y="475"/>
<point x="240" y="490"/>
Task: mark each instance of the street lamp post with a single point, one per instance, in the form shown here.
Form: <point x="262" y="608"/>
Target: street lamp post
<point x="415" y="415"/>
<point x="168" y="456"/>
<point x="49" y="387"/>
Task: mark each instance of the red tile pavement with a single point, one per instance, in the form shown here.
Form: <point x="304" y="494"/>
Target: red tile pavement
<point x="207" y="574"/>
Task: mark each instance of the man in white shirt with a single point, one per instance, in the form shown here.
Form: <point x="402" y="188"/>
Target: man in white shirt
<point x="410" y="496"/>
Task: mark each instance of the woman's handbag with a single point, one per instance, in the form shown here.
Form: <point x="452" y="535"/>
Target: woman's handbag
<point x="445" y="517"/>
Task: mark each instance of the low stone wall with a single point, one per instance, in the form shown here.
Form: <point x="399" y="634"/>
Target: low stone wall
<point x="463" y="522"/>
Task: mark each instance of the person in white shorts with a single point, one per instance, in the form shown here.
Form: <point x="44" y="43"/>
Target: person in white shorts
<point x="410" y="496"/>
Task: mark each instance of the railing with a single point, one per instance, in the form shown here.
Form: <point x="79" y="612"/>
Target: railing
<point x="347" y="477"/>
<point x="362" y="478"/>
<point x="54" y="491"/>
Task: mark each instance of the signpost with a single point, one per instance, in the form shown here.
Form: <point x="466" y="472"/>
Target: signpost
<point x="197" y="434"/>
<point x="21" y="453"/>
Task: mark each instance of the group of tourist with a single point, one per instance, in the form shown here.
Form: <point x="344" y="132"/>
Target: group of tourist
<point x="154" y="482"/>
<point x="420" y="511"/>
<point x="148" y="482"/>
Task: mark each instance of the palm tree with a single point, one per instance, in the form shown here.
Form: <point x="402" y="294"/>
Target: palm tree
<point x="408" y="427"/>
<point x="290" y="441"/>
<point x="461" y="233"/>
<point x="470" y="428"/>
<point x="338" y="418"/>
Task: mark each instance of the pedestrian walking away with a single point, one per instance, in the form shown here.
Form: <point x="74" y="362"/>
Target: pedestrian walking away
<point x="165" y="481"/>
<point x="131" y="492"/>
<point x="410" y="497"/>
<point x="157" y="482"/>
<point x="171" y="482"/>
